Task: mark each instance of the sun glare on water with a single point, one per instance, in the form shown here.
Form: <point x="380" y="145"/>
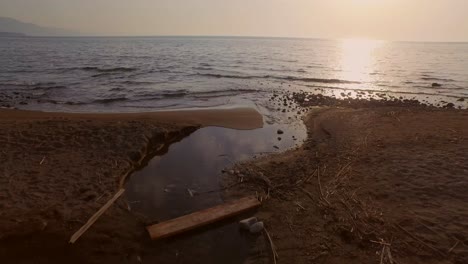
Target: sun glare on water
<point x="357" y="59"/>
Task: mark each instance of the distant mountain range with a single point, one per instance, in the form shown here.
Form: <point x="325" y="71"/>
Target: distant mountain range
<point x="13" y="27"/>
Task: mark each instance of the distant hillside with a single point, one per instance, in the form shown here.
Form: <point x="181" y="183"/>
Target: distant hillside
<point x="11" y="25"/>
<point x="11" y="34"/>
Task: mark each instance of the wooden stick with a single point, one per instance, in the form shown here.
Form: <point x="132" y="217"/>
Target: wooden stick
<point x="389" y="255"/>
<point x="454" y="246"/>
<point x="272" y="245"/>
<point x="95" y="217"/>
<point x="382" y="254"/>
<point x="380" y="242"/>
<point x="308" y="193"/>
<point x="320" y="186"/>
<point x="420" y="241"/>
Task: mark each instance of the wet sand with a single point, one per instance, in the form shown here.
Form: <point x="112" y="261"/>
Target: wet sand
<point x="368" y="181"/>
<point x="58" y="169"/>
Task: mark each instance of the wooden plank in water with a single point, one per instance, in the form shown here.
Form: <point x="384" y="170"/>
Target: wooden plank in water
<point x="201" y="218"/>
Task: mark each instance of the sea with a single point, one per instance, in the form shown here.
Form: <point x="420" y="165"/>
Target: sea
<point x="136" y="74"/>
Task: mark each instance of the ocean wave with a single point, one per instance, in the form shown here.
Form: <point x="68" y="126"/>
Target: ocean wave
<point x="106" y="70"/>
<point x="110" y="100"/>
<point x="215" y="75"/>
<point x="34" y="85"/>
<point x="201" y="68"/>
<point x="285" y="78"/>
<point x="51" y="87"/>
<point x="315" y="80"/>
<point x="437" y="79"/>
<point x="193" y="94"/>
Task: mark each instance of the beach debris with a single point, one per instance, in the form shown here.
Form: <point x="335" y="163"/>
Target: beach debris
<point x="272" y="245"/>
<point x="95" y="217"/>
<point x="436" y="250"/>
<point x="191" y="192"/>
<point x="454" y="246"/>
<point x="256" y="228"/>
<point x="246" y="223"/>
<point x="280" y="132"/>
<point x="201" y="218"/>
<point x="42" y="161"/>
<point x="169" y="188"/>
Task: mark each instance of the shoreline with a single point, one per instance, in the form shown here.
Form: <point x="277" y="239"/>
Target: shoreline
<point x="235" y="118"/>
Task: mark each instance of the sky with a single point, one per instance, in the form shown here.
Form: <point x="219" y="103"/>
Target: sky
<point x="410" y="20"/>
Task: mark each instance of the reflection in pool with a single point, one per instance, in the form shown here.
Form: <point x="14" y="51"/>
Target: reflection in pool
<point x="162" y="190"/>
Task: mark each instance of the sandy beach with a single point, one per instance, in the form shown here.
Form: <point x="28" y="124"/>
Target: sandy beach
<point x="58" y="169"/>
<point x="369" y="182"/>
<point x="370" y="185"/>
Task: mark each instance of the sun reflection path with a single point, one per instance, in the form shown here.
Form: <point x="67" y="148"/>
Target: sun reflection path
<point x="358" y="60"/>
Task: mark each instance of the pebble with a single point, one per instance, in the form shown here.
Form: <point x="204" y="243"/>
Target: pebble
<point x="279" y="132"/>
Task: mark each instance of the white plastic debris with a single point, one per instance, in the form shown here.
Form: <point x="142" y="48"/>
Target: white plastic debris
<point x="246" y="223"/>
<point x="256" y="228"/>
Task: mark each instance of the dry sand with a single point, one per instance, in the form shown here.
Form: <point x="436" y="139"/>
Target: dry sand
<point x="367" y="181"/>
<point x="58" y="169"/>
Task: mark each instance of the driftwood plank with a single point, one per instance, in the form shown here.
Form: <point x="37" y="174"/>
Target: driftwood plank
<point x="201" y="218"/>
<point x="95" y="217"/>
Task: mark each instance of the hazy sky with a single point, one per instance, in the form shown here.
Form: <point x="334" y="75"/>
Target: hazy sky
<point x="433" y="20"/>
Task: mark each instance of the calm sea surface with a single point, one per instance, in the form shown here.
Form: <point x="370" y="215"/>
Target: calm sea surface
<point x="145" y="74"/>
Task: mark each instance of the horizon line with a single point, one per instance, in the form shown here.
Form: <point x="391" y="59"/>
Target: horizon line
<point x="239" y="36"/>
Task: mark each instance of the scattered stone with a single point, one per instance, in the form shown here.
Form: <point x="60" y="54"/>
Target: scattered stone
<point x="279" y="138"/>
<point x="280" y="132"/>
<point x="436" y="85"/>
<point x="247" y="223"/>
<point x="256" y="228"/>
<point x="461" y="100"/>
<point x="449" y="105"/>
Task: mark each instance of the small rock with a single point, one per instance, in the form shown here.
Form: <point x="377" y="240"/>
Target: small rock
<point x="279" y="138"/>
<point x="436" y="85"/>
<point x="256" y="228"/>
<point x="246" y="223"/>
<point x="461" y="100"/>
<point x="280" y="132"/>
<point x="449" y="105"/>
